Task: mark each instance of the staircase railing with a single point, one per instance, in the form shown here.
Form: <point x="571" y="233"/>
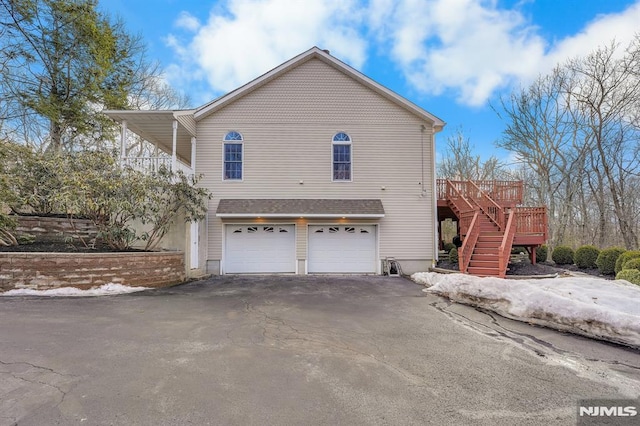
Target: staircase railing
<point x="504" y="252"/>
<point x="470" y="240"/>
<point x="455" y="196"/>
<point x="493" y="210"/>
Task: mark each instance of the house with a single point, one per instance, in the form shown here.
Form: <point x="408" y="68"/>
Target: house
<point x="313" y="167"/>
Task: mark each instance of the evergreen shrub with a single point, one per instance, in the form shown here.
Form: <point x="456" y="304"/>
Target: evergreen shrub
<point x="562" y="255"/>
<point x="585" y="257"/>
<point x="607" y="258"/>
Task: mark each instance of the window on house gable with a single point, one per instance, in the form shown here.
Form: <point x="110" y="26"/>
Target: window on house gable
<point x="341" y="146"/>
<point x="233" y="156"/>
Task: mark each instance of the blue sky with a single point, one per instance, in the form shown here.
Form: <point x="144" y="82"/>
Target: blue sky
<point x="454" y="58"/>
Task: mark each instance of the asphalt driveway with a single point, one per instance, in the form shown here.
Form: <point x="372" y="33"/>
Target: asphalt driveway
<point x="293" y="350"/>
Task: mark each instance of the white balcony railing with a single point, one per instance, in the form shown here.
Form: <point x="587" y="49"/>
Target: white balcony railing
<point x="155" y="163"/>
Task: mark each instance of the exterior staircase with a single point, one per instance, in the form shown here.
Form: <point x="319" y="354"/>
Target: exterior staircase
<point x="484" y="258"/>
<point x="489" y="222"/>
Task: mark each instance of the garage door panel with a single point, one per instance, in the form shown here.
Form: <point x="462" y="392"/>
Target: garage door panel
<point x="342" y="249"/>
<point x="259" y="249"/>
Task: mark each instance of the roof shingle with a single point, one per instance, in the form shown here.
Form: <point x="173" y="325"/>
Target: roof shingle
<point x="300" y="207"/>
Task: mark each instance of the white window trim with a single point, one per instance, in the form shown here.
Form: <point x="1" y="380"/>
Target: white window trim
<point x="241" y="143"/>
<point x="350" y="143"/>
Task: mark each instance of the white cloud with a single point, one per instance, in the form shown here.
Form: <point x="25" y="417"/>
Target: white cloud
<point x="188" y="22"/>
<point x="601" y="31"/>
<point x="242" y="39"/>
<point x="474" y="47"/>
<point x="469" y="48"/>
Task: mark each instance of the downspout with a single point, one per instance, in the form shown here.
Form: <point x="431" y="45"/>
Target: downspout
<point x="422" y="129"/>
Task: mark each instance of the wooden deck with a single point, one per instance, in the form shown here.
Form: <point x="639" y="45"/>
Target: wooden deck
<point x="490" y="222"/>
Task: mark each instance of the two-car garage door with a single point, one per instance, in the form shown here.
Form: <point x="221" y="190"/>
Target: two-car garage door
<point x="272" y="249"/>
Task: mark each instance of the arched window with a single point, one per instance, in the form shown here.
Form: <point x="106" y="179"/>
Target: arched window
<point x="232" y="168"/>
<point x="341" y="146"/>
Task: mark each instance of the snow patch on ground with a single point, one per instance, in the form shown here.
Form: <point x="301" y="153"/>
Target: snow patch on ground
<point x="594" y="307"/>
<point x="103" y="290"/>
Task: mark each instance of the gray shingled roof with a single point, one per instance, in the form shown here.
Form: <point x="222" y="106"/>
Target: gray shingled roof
<point x="300" y="207"/>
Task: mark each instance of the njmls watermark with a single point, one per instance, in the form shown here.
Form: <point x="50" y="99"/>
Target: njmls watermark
<point x="608" y="412"/>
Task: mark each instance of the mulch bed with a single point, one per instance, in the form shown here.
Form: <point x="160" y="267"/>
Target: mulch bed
<point x="525" y="268"/>
<point x="61" y="247"/>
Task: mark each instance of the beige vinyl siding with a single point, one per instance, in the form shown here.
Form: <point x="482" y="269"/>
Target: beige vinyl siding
<point x="287" y="127"/>
<point x="188" y="122"/>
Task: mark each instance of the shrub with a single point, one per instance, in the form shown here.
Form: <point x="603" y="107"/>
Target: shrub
<point x="453" y="255"/>
<point x="24" y="239"/>
<point x="448" y="247"/>
<point x="607" y="258"/>
<point x="631" y="275"/>
<point x="541" y="253"/>
<point x="586" y="256"/>
<point x="627" y="255"/>
<point x="562" y="255"/>
<point x="7" y="228"/>
<point x="7" y="194"/>
<point x="518" y="250"/>
<point x="632" y="264"/>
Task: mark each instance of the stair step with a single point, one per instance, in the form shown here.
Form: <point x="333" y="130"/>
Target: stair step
<point x="486" y="250"/>
<point x="484" y="237"/>
<point x="487" y="272"/>
<point x="490" y="264"/>
<point x="492" y="230"/>
<point x="484" y="257"/>
<point x="493" y="245"/>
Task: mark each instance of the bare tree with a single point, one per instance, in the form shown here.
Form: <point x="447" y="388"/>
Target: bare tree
<point x="540" y="132"/>
<point x="606" y="100"/>
<point x="577" y="129"/>
<point x="460" y="162"/>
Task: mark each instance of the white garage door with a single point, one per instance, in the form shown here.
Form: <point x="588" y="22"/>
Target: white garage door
<point x="342" y="249"/>
<point x="259" y="249"/>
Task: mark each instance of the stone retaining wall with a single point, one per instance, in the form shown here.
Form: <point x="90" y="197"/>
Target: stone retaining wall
<point x="55" y="228"/>
<point x="43" y="271"/>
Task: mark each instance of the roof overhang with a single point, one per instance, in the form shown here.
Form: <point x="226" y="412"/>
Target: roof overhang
<point x="156" y="127"/>
<point x="300" y="208"/>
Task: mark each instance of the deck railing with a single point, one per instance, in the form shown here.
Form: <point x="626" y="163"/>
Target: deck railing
<point x="153" y="164"/>
<point x="531" y="220"/>
<point x="501" y="191"/>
